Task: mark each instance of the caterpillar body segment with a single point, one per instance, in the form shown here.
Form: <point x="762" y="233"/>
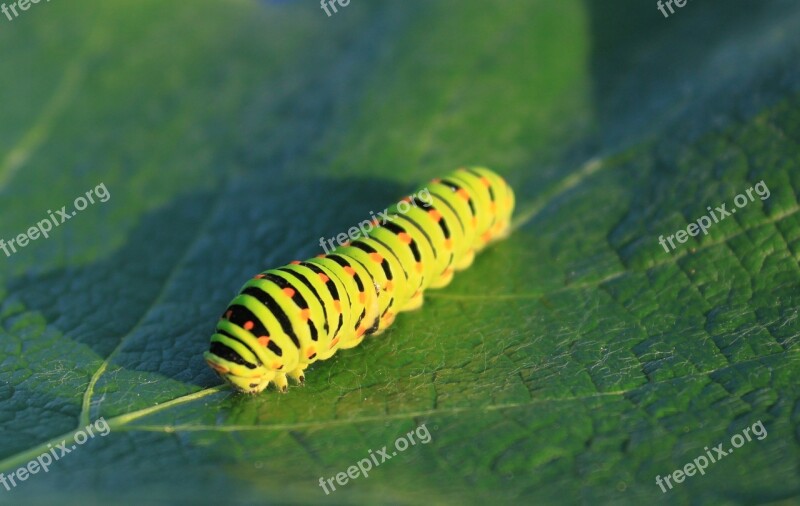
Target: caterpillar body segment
<point x="287" y="318"/>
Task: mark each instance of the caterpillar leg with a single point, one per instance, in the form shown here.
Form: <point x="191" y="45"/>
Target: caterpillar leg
<point x="502" y="230"/>
<point x="382" y="323"/>
<point x="443" y="280"/>
<point x="281" y="382"/>
<point x="415" y="302"/>
<point x="466" y="261"/>
<point x="386" y="320"/>
<point x="298" y="375"/>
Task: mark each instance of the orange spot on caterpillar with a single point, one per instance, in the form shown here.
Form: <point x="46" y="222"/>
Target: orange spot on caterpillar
<point x="248" y="325"/>
<point x="334" y="343"/>
<point x="228" y="314"/>
<point x="337" y="305"/>
<point x="448" y="243"/>
<point x="404" y="238"/>
<point x="323" y="277"/>
<point x="259" y="276"/>
<point x="360" y="331"/>
<point x="289" y="292"/>
<point x="375" y="222"/>
<point x="362" y="297"/>
<point x="263" y="341"/>
<point x="321" y="255"/>
<point x="376" y="257"/>
<point x="486" y="237"/>
<point x="406" y="199"/>
<point x="295" y="262"/>
<point x="217" y="367"/>
<point x="349" y="270"/>
<point x="464" y="194"/>
<point x="433" y="213"/>
<point x="420" y="268"/>
<point x="311" y="352"/>
<point x="305" y="314"/>
<point x="389" y="286"/>
<point x="277" y="366"/>
<point x="486" y="182"/>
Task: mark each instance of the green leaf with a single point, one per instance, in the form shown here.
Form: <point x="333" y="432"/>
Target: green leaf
<point x="572" y="363"/>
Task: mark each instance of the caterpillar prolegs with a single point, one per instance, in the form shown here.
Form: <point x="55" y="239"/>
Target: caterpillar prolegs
<point x="287" y="318"/>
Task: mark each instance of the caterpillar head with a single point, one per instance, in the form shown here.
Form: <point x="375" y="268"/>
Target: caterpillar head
<point x="237" y="365"/>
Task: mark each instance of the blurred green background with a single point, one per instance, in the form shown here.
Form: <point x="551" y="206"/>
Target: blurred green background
<point x="572" y="364"/>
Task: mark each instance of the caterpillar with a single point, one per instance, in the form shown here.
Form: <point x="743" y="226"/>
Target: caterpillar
<point x="285" y="319"/>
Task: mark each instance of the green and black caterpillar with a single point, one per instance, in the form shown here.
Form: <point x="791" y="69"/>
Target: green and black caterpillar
<point x="287" y="318"/>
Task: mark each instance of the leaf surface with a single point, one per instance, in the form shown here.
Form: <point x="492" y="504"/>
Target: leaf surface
<point x="572" y="363"/>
